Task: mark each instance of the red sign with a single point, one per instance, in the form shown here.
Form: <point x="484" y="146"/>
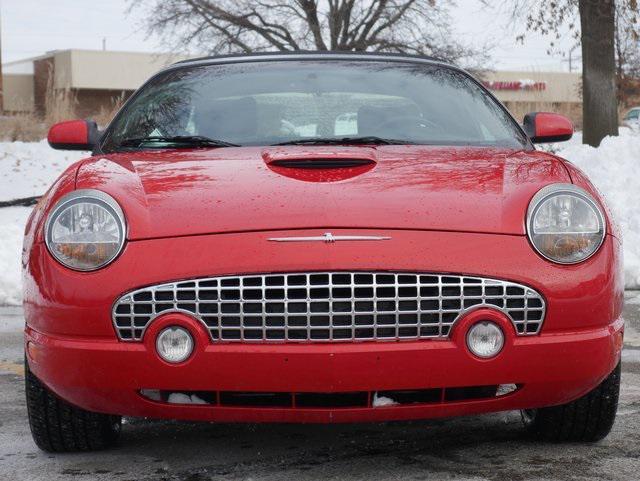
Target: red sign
<point x="516" y="85"/>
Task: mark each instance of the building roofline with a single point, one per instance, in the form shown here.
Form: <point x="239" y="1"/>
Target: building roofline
<point x="100" y="51"/>
<point x="51" y="53"/>
<point x="24" y="60"/>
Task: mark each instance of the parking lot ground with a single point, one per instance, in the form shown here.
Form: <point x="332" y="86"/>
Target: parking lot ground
<point x="474" y="448"/>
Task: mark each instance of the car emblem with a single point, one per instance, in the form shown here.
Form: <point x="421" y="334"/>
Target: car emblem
<point x="329" y="238"/>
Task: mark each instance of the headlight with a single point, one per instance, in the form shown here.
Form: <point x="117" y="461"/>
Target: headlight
<point x="86" y="230"/>
<point x="565" y="224"/>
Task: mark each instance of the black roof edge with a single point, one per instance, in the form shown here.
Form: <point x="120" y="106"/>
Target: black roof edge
<point x="311" y="53"/>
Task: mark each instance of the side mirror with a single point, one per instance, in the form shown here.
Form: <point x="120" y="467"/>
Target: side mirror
<point x="544" y="127"/>
<point x="74" y="135"/>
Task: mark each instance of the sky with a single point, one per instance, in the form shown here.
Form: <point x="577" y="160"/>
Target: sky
<point x="63" y="24"/>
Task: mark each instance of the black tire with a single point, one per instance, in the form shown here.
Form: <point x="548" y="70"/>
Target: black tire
<point x="587" y="419"/>
<point x="57" y="426"/>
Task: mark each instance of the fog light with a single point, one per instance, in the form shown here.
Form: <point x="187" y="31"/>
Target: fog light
<point x="174" y="344"/>
<point x="485" y="339"/>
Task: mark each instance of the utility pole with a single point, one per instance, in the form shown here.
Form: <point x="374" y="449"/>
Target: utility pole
<point x="571" y="58"/>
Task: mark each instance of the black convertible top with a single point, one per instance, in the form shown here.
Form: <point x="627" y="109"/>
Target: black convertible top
<point x="307" y="55"/>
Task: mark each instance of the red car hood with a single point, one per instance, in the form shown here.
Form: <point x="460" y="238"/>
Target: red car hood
<point x="179" y="192"/>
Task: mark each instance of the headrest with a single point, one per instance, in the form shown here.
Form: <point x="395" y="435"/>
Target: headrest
<point x="229" y="120"/>
<point x="370" y="117"/>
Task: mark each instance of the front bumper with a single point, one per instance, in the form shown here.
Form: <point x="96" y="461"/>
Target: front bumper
<point x="106" y="376"/>
<point x="72" y="346"/>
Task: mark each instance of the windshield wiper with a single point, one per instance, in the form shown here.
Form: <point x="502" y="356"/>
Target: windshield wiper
<point x="177" y="140"/>
<point x="369" y="139"/>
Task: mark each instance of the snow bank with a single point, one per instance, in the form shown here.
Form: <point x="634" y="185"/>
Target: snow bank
<point x="27" y="169"/>
<point x="12" y="221"/>
<point x="614" y="168"/>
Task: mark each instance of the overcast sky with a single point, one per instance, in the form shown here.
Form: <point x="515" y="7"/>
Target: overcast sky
<point x="32" y="27"/>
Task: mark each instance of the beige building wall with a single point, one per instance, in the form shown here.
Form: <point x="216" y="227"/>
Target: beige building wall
<point x="18" y="92"/>
<point x="96" y="79"/>
<point x="97" y="70"/>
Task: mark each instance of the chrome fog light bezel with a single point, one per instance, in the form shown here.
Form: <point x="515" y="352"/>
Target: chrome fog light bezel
<point x="473" y="349"/>
<point x="189" y="342"/>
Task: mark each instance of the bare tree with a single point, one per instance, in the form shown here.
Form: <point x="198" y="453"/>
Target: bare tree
<point x="627" y="56"/>
<point x="227" y="26"/>
<point x="593" y="23"/>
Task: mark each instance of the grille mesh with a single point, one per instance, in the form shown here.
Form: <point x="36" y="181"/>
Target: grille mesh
<point x="328" y="306"/>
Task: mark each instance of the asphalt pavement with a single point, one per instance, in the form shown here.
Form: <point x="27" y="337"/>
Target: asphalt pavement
<point x="489" y="447"/>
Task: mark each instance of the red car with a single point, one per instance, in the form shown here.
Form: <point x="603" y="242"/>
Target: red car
<point x="319" y="238"/>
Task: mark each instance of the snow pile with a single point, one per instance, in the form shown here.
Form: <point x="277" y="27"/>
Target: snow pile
<point x="173" y="398"/>
<point x="382" y="401"/>
<point x="27" y="169"/>
<point x="504" y="389"/>
<point x="634" y="298"/>
<point x="12" y="221"/>
<point x="181" y="398"/>
<point x="614" y="168"/>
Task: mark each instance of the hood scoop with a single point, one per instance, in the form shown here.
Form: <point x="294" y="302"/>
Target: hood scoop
<point x="320" y="164"/>
<point x="319" y="157"/>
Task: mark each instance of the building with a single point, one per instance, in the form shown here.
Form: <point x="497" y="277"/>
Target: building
<point x="524" y="92"/>
<point x="17" y="83"/>
<point x="97" y="79"/>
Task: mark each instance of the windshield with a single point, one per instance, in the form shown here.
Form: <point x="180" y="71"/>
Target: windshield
<point x="273" y="102"/>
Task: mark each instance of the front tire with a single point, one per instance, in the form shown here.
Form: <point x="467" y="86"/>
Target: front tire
<point x="57" y="426"/>
<point x="587" y="419"/>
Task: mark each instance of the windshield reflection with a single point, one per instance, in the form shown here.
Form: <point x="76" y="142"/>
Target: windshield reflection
<point x="265" y="103"/>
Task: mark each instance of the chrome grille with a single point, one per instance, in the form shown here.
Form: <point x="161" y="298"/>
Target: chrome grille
<point x="328" y="306"/>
